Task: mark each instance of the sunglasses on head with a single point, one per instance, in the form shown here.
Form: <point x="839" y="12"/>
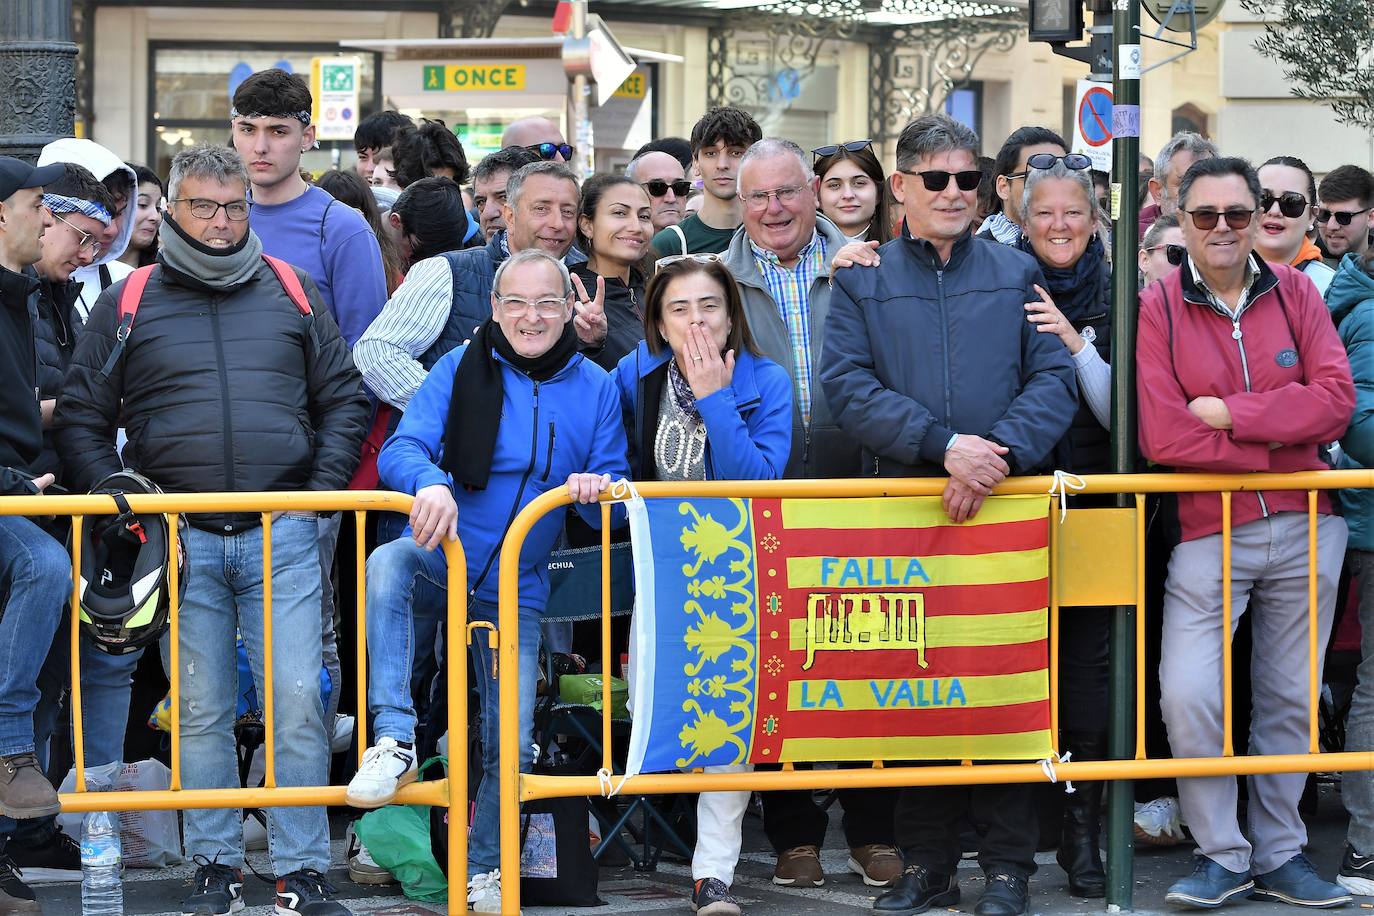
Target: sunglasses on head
<point x="1343" y="217"/>
<point x="1207" y="219"/>
<point x="937" y="180"/>
<point x="853" y="146"/>
<point x="1172" y="253"/>
<point x="1291" y="203"/>
<point x="704" y="257"/>
<point x="549" y="150"/>
<point x="1074" y="162"/>
<point x="657" y="187"/>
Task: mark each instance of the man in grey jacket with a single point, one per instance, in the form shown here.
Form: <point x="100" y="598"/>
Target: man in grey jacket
<point x="781" y="259"/>
<point x="932" y="367"/>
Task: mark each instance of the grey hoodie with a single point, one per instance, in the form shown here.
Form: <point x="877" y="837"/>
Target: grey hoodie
<point x="100" y="162"/>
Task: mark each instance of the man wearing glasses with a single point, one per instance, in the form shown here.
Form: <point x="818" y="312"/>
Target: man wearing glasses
<point x="663" y="179"/>
<point x="1240" y="369"/>
<point x="520" y="388"/>
<point x="226" y="383"/>
<point x="1344" y="199"/>
<point x="931" y="366"/>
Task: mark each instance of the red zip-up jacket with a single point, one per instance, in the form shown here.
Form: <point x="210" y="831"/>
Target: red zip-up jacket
<point x="1280" y="367"/>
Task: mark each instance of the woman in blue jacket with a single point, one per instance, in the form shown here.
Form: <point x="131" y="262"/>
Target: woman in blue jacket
<point x="700" y="403"/>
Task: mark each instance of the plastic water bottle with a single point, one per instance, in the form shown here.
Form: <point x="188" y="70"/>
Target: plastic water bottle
<point x="102" y="891"/>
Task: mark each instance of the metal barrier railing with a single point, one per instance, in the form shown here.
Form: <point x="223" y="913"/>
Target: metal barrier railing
<point x="450" y="792"/>
<point x="1116" y="535"/>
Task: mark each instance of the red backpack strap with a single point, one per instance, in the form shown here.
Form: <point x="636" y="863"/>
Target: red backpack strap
<point x="290" y="282"/>
<point x="127" y="309"/>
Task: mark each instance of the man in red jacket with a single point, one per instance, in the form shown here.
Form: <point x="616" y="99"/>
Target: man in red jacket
<point x="1240" y="369"/>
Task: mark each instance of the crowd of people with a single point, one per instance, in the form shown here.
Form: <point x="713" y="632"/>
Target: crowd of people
<point x="730" y="307"/>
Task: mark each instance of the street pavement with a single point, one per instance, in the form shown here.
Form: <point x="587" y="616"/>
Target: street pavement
<point x="666" y="890"/>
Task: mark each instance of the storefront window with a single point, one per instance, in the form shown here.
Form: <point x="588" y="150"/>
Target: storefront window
<point x="189" y="95"/>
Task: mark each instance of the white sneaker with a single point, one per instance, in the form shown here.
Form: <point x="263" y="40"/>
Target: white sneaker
<point x="1159" y="822"/>
<point x="343" y="734"/>
<point x="484" y="892"/>
<point x="362" y="868"/>
<point x="385" y="768"/>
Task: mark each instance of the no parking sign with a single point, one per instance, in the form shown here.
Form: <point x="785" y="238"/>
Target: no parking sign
<point x="1092" y="123"/>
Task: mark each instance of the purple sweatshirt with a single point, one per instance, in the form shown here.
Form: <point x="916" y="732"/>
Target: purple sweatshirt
<point x="337" y="249"/>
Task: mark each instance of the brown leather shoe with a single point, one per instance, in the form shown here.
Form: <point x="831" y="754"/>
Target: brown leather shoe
<point x="799" y="866"/>
<point x="878" y="864"/>
<point x="24" y="791"/>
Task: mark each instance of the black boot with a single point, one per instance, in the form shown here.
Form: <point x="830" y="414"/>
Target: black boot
<point x="1078" y="853"/>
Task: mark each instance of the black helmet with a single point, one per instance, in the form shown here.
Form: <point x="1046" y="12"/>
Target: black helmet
<point x="124" y="594"/>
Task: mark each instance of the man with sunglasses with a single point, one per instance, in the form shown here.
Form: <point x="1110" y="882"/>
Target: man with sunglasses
<point x="1239" y="369"/>
<point x="664" y="180"/>
<point x="1344" y="199"/>
<point x="719" y="141"/>
<point x="540" y="136"/>
<point x="931" y="367"/>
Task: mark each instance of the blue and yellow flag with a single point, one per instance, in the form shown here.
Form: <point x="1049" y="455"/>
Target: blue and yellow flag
<point x="774" y="630"/>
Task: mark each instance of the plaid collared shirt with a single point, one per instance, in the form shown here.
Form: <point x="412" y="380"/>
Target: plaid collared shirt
<point x="1251" y="275"/>
<point x="791" y="292"/>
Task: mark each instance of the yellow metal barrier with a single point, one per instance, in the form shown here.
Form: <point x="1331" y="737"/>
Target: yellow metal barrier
<point x="1112" y="539"/>
<point x="451" y="792"/>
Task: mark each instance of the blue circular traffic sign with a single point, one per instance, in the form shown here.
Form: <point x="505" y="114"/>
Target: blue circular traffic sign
<point x="1095" y="116"/>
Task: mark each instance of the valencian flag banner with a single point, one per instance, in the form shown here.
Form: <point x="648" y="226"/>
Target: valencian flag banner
<point x="770" y="630"/>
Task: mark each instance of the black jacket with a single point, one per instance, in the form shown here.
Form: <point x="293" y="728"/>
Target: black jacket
<point x="52" y="308"/>
<point x="916" y="350"/>
<point x="624" y="306"/>
<point x="21" y="424"/>
<point x="228" y="390"/>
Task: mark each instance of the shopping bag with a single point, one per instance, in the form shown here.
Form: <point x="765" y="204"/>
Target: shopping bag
<point x="149" y="839"/>
<point x="397" y="837"/>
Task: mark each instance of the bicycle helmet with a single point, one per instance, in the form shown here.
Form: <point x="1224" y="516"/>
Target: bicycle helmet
<point x="124" y="594"/>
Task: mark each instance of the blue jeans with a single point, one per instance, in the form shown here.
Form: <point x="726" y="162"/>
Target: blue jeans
<point x="224" y="593"/>
<point x="405" y="584"/>
<point x="36" y="575"/>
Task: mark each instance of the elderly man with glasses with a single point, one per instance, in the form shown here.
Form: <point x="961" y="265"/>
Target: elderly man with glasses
<point x="1240" y="369"/>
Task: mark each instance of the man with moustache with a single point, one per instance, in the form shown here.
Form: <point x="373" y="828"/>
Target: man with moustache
<point x="489" y="180"/>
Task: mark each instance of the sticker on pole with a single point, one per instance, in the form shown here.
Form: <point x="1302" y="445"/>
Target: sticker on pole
<point x="1092" y="125"/>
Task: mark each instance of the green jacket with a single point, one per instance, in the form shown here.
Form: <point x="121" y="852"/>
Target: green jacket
<point x="1351" y="300"/>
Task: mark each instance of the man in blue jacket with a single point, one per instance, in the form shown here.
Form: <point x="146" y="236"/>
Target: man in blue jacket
<point x="497" y="421"/>
<point x="929" y="362"/>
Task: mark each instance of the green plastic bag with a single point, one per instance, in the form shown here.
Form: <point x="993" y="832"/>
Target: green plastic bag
<point x="397" y="837"/>
<point x="585" y="690"/>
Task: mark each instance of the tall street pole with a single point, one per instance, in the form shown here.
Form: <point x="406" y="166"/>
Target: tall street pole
<point x="37" y="75"/>
<point x="1125" y="204"/>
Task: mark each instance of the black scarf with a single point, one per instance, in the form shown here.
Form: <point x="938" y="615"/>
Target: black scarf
<point x="1077" y="291"/>
<point x="474" y="407"/>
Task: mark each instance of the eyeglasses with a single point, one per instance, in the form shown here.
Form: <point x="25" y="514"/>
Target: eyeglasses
<point x="853" y="146"/>
<point x="1291" y="203"/>
<point x="1074" y="162"/>
<point x="758" y="200"/>
<point x="1343" y="217"/>
<point x="937" y="180"/>
<point x="704" y="257"/>
<point x="203" y="208"/>
<point x="87" y="239"/>
<point x="549" y="150"/>
<point x="1207" y="219"/>
<point x="515" y="307"/>
<point x="1172" y="253"/>
<point x="658" y="187"/>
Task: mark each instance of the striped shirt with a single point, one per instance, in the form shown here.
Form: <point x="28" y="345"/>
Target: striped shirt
<point x="388" y="352"/>
<point x="790" y="288"/>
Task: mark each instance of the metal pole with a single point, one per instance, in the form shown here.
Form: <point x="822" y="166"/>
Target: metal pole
<point x="38" y="59"/>
<point x="579" y="108"/>
<point x="1125" y="205"/>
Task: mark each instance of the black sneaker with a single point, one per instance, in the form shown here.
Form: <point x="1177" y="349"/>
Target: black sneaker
<point x="218" y="890"/>
<point x="56" y="859"/>
<point x="307" y="893"/>
<point x="15" y="895"/>
<point x="1357" y="872"/>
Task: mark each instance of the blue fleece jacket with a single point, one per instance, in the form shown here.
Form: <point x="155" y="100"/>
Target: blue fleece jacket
<point x="748" y="423"/>
<point x="345" y="262"/>
<point x="549" y="430"/>
<point x="1351" y="300"/>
